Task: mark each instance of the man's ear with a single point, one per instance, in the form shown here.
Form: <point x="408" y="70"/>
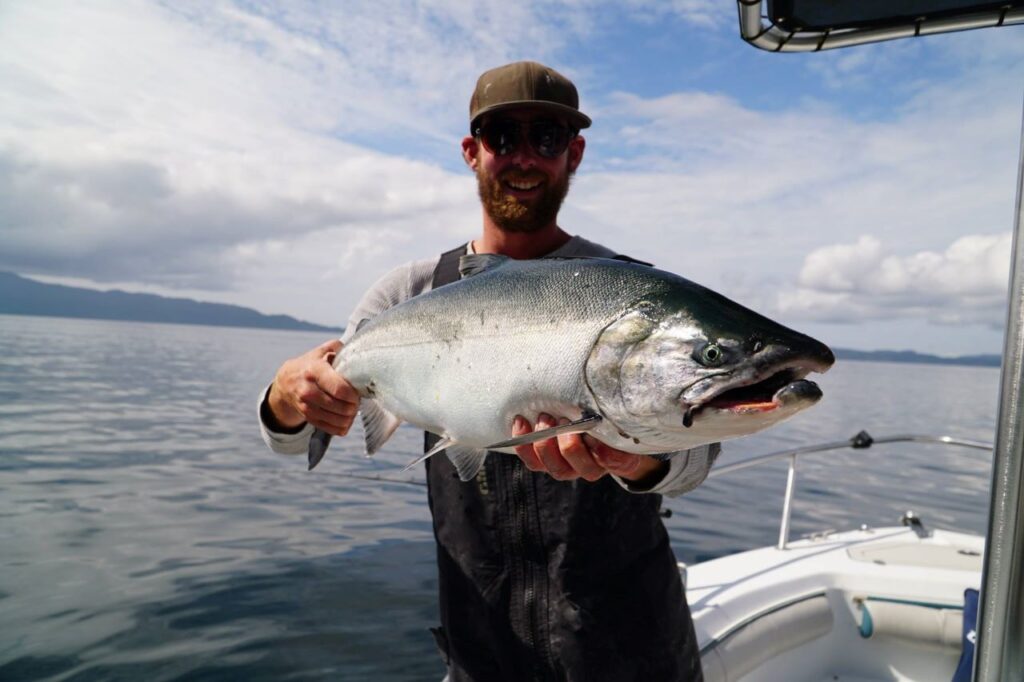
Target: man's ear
<point x="470" y="151"/>
<point x="576" y="147"/>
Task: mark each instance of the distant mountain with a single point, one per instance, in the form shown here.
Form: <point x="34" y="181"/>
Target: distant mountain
<point x="21" y="296"/>
<point x="915" y="357"/>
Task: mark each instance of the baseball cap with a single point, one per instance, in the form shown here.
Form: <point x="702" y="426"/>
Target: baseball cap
<point x="525" y="84"/>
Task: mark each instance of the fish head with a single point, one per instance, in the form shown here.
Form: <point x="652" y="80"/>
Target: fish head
<point x="694" y="367"/>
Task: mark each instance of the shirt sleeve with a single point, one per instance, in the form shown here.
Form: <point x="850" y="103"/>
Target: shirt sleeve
<point x="283" y="443"/>
<point x="687" y="469"/>
<point x="395" y="287"/>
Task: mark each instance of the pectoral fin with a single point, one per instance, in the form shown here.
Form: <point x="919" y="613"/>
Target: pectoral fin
<point x="585" y="423"/>
<point x="378" y="424"/>
<point x="467" y="461"/>
<point x="444" y="442"/>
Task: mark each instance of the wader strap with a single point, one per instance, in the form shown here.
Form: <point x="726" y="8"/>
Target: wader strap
<point x="447" y="270"/>
<point x="629" y="259"/>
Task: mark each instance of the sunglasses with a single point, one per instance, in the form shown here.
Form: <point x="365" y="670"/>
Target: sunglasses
<point x="547" y="138"/>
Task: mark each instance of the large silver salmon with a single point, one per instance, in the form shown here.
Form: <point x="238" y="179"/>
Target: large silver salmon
<point x="643" y="360"/>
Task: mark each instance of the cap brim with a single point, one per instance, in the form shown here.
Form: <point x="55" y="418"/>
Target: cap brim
<point x="576" y="118"/>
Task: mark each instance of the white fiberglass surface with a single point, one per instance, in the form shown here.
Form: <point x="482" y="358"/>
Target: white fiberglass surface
<point x="730" y="594"/>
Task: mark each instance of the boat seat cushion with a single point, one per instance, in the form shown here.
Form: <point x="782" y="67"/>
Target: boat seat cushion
<point x="934" y="625"/>
<point x="765" y="637"/>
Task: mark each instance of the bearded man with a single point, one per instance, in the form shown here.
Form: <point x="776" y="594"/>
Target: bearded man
<point x="553" y="565"/>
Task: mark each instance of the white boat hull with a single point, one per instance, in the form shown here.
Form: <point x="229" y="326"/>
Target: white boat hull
<point x="871" y="604"/>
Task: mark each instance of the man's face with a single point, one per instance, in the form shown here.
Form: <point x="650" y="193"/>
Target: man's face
<point x="522" y="190"/>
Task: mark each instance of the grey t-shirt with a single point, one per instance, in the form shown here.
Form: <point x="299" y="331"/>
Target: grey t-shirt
<point x="687" y="469"/>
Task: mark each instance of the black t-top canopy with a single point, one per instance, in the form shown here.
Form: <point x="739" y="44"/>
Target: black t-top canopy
<point x="825" y="15"/>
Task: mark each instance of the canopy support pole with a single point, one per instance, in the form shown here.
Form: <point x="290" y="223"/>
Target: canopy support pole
<point x="1000" y="649"/>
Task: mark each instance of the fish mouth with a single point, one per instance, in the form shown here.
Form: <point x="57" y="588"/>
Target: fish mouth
<point x="785" y="388"/>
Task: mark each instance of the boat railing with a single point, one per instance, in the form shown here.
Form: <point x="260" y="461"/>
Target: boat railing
<point x="861" y="441"/>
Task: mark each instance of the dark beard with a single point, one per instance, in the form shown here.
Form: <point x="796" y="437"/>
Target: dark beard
<point x="510" y="214"/>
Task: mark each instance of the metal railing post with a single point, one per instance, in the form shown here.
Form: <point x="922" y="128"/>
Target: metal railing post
<point x="860" y="441"/>
<point x="787" y="505"/>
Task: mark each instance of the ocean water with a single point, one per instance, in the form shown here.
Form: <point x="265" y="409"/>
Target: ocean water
<point x="147" y="533"/>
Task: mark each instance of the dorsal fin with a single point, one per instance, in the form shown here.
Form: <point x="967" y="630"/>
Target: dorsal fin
<point x="475" y="263"/>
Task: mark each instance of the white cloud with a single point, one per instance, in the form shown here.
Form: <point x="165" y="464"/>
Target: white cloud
<point x="139" y="146"/>
<point x="859" y="68"/>
<point x="862" y="70"/>
<point x="261" y="151"/>
<point x="1004" y="46"/>
<point x="965" y="284"/>
<point x="179" y="145"/>
<point x="735" y="197"/>
<point x="700" y="13"/>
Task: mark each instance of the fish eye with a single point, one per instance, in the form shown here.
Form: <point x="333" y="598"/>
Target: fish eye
<point x="711" y="354"/>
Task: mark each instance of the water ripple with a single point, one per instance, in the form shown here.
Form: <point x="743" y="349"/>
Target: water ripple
<point x="147" y="533"/>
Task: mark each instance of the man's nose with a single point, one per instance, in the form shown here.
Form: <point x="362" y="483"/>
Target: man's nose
<point x="523" y="155"/>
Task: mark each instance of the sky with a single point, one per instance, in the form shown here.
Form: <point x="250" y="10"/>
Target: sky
<point x="285" y="155"/>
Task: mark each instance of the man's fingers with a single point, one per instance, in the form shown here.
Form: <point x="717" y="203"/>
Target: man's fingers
<point x="332" y="423"/>
<point x="332" y="403"/>
<point x="332" y="383"/>
<point x="623" y="464"/>
<point x="334" y="386"/>
<point x="323" y="374"/>
<point x="571" y="456"/>
<point x="313" y="401"/>
<point x="308" y="383"/>
<point x="329" y="348"/>
<point x="531" y="461"/>
<point x="576" y="453"/>
<point x="549" y="453"/>
<point x="328" y="409"/>
<point x="564" y="458"/>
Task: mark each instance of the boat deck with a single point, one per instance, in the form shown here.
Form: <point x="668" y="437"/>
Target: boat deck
<point x="871" y="604"/>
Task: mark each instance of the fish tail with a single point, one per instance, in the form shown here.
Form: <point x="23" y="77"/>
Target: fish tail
<point x="318" y="443"/>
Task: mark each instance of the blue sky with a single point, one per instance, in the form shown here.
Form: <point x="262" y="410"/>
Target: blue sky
<point x="284" y="155"/>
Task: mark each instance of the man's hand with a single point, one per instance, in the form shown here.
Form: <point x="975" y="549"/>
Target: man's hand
<point x="573" y="456"/>
<point x="307" y="389"/>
